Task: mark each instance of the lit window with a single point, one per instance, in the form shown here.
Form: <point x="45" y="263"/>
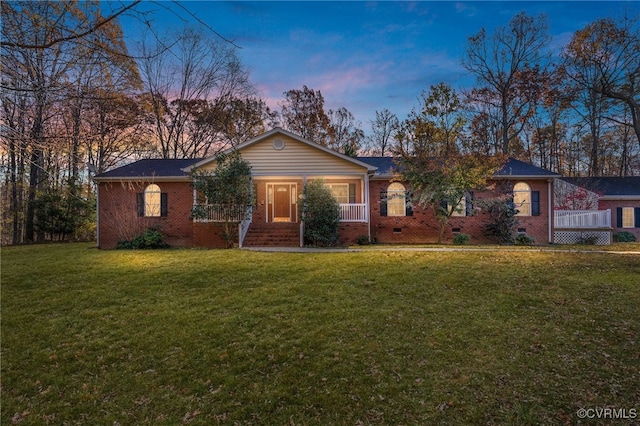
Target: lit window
<point x="152" y="200"/>
<point x="459" y="209"/>
<point x="396" y="200"/>
<point x="340" y="192"/>
<point x="627" y="217"/>
<point x="522" y="198"/>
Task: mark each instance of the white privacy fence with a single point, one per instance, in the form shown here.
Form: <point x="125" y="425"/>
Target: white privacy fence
<point x="580" y="219"/>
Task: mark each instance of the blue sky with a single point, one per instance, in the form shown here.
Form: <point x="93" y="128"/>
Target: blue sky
<point x="367" y="56"/>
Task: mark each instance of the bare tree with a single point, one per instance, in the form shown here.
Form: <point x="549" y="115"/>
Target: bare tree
<point x="346" y="136"/>
<point x="504" y="61"/>
<point x="195" y="69"/>
<point x="611" y="52"/>
<point x="382" y="130"/>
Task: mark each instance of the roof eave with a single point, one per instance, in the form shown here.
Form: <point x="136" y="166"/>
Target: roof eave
<point x="620" y="197"/>
<point x="142" y="179"/>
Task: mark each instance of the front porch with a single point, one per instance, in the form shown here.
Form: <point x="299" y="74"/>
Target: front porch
<point x="582" y="227"/>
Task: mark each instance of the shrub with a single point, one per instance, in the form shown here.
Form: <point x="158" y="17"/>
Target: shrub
<point x="588" y="240"/>
<point x="502" y="219"/>
<point x="624" y="237"/>
<point x="363" y="240"/>
<point x="524" y="240"/>
<point x="321" y="215"/>
<point x="152" y="238"/>
<point x="461" y="239"/>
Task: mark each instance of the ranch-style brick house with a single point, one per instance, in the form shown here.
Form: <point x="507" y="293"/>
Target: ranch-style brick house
<point x="159" y="193"/>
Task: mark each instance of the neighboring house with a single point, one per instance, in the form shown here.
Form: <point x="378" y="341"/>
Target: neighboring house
<point x="620" y="195"/>
<point x="159" y="193"/>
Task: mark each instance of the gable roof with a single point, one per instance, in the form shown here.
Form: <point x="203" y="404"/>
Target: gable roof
<point x="152" y="169"/>
<point x="609" y="187"/>
<point x="278" y="130"/>
<point x="520" y="169"/>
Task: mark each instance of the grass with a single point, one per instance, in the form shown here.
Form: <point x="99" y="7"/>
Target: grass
<point x="377" y="337"/>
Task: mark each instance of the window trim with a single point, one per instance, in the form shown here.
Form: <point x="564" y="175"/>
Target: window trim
<point x="522" y="198"/>
<point x="344" y="186"/>
<point x="628" y="220"/>
<point x="396" y="200"/>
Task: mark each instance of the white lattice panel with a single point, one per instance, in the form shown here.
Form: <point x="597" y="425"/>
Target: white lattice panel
<point x="602" y="238"/>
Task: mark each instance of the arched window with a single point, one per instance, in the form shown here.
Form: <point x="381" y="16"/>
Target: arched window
<point x="396" y="200"/>
<point x="152" y="200"/>
<point x="522" y="198"/>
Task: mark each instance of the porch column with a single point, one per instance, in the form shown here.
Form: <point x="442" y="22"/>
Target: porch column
<point x="367" y="208"/>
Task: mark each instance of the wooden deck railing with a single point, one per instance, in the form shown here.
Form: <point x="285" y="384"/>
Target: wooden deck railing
<point x="581" y="219"/>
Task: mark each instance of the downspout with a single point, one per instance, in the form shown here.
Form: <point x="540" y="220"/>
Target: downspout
<point x="550" y="209"/>
<point x="304" y="184"/>
<point x="98" y="215"/>
<point x="367" y="209"/>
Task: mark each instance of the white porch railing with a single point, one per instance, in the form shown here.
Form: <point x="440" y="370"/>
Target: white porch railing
<point x="243" y="226"/>
<point x="353" y="212"/>
<point x="215" y="213"/>
<point x="579" y="219"/>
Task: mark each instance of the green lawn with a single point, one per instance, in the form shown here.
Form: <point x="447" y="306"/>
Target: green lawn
<point x="379" y="337"/>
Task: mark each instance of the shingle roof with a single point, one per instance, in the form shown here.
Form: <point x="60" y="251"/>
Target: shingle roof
<point x="513" y="167"/>
<point x="170" y="168"/>
<point x="608" y="186"/>
<point x="151" y="168"/>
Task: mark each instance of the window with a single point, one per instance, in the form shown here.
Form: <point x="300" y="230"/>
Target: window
<point x="627" y="217"/>
<point x="396" y="200"/>
<point x="340" y="192"/>
<point x="344" y="193"/>
<point x="460" y="209"/>
<point x="152" y="202"/>
<point x="522" y="198"/>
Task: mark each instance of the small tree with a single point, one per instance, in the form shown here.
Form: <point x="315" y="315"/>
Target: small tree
<point x="502" y="222"/>
<point x="321" y="214"/>
<point x="442" y="184"/>
<point x="227" y="188"/>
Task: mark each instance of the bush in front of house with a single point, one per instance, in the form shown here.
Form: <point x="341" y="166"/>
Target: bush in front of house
<point x="321" y="215"/>
<point x="624" y="237"/>
<point x="587" y="240"/>
<point x="502" y="220"/>
<point x="524" y="240"/>
<point x="461" y="239"/>
<point x="363" y="240"/>
<point x="152" y="238"/>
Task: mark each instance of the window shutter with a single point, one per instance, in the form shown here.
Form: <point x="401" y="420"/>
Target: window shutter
<point x="140" y="199"/>
<point x="619" y="217"/>
<point x="383" y="203"/>
<point x="535" y="203"/>
<point x="636" y="213"/>
<point x="408" y="211"/>
<point x="444" y="205"/>
<point x="352" y="193"/>
<point x="163" y="204"/>
<point x="468" y="203"/>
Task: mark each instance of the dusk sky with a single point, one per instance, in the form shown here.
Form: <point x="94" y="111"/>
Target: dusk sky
<point x="367" y="56"/>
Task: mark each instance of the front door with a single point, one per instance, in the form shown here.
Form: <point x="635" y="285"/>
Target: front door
<point x="282" y="203"/>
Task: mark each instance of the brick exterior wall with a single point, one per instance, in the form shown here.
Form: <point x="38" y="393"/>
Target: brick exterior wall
<point x="119" y="220"/>
<point x="613" y="205"/>
<point x="423" y="227"/>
